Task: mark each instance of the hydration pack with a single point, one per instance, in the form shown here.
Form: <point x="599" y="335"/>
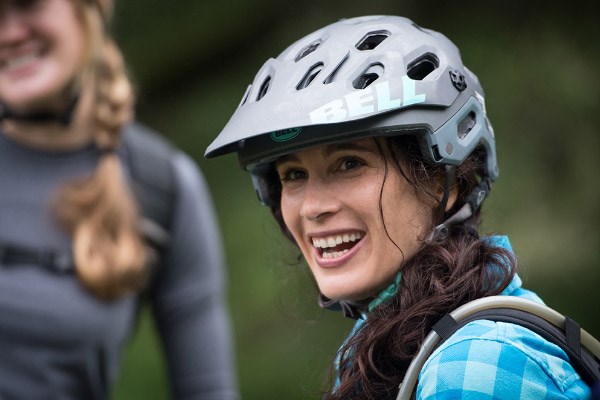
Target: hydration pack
<point x="581" y="347"/>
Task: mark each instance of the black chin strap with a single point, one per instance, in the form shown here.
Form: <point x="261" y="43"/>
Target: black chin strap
<point x="64" y="118"/>
<point x="350" y="309"/>
<point x="448" y="182"/>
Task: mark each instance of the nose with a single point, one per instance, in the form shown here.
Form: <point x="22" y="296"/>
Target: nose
<point x="320" y="200"/>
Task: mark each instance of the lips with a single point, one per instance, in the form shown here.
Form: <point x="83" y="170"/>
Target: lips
<point x="332" y="248"/>
<point x="18" y="59"/>
<point x="18" y="62"/>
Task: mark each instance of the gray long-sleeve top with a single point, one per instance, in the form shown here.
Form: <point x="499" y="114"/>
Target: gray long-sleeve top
<point x="59" y="342"/>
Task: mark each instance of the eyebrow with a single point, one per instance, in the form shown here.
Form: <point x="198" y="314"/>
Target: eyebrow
<point x="335" y="147"/>
<point x="328" y="150"/>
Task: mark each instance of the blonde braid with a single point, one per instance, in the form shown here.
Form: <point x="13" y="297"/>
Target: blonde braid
<point x="100" y="210"/>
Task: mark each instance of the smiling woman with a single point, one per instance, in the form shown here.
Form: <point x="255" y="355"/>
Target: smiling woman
<point x="381" y="190"/>
<point x="337" y="192"/>
<point x="97" y="215"/>
<point x="36" y="72"/>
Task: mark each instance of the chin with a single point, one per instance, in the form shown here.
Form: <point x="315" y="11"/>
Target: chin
<point x="337" y="293"/>
<point x="34" y="100"/>
<point x="40" y="92"/>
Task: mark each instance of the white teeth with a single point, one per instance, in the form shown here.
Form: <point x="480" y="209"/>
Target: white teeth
<point x="334" y="254"/>
<point x="332" y="241"/>
<point x="17" y="62"/>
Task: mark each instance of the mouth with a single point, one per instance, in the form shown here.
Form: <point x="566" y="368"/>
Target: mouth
<point x="15" y="62"/>
<point x="335" y="246"/>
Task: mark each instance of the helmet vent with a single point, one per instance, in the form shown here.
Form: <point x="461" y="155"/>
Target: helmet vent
<point x="310" y="76"/>
<point x="422" y="66"/>
<point x="372" y="40"/>
<point x="308" y="49"/>
<point x="333" y="73"/>
<point x="437" y="157"/>
<point x="245" y="96"/>
<point x="264" y="88"/>
<point x="466" y="125"/>
<point x="368" y="76"/>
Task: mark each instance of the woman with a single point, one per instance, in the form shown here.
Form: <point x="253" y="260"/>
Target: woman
<point x="97" y="214"/>
<point x="369" y="141"/>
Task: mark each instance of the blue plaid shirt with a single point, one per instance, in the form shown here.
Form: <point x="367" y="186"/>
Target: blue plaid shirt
<point x="497" y="360"/>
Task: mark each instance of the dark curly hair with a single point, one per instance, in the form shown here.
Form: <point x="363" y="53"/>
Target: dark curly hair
<point x="446" y="272"/>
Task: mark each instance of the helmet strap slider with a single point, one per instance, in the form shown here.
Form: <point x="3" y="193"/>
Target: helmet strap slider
<point x="472" y="204"/>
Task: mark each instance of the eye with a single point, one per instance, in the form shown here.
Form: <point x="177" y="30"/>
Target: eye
<point x="26" y="5"/>
<point x="292" y="174"/>
<point x="350" y="163"/>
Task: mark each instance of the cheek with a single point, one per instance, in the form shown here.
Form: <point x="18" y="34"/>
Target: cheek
<point x="76" y="47"/>
<point x="73" y="35"/>
<point x="407" y="217"/>
<point x="285" y="210"/>
<point x="290" y="215"/>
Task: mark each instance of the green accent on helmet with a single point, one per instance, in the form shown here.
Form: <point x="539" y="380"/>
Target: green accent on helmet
<point x="285" y="134"/>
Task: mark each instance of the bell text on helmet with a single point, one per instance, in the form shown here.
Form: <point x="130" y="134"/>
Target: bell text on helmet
<point x="376" y="98"/>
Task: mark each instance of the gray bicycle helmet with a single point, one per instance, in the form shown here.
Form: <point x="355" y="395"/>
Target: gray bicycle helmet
<point x="361" y="77"/>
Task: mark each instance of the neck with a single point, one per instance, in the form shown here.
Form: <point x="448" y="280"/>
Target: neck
<point x="54" y="136"/>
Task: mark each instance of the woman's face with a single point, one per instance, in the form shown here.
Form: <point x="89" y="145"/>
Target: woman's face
<point x="42" y="45"/>
<point x="337" y="203"/>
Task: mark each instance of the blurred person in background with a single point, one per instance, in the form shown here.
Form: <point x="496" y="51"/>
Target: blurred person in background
<point x="97" y="215"/>
<point x="369" y="141"/>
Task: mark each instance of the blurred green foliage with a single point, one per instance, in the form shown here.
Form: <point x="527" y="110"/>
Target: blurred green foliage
<point x="538" y="62"/>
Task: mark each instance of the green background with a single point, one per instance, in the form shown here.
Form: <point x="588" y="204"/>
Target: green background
<point x="539" y="63"/>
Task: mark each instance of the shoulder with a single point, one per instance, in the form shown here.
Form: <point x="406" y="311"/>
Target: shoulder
<point x="148" y="155"/>
<point x="154" y="160"/>
<point x="145" y="138"/>
<point x="143" y="141"/>
<point x="162" y="175"/>
<point x="499" y="360"/>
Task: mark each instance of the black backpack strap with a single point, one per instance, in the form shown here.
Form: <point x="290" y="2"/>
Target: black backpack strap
<point x="445" y="327"/>
<point x="573" y="336"/>
<point x="569" y="339"/>
<point x="13" y="254"/>
<point x="582" y="348"/>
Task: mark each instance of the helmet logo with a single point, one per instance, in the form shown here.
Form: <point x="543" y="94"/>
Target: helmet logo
<point x="285" y="134"/>
<point x="375" y="98"/>
<point x="458" y="80"/>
